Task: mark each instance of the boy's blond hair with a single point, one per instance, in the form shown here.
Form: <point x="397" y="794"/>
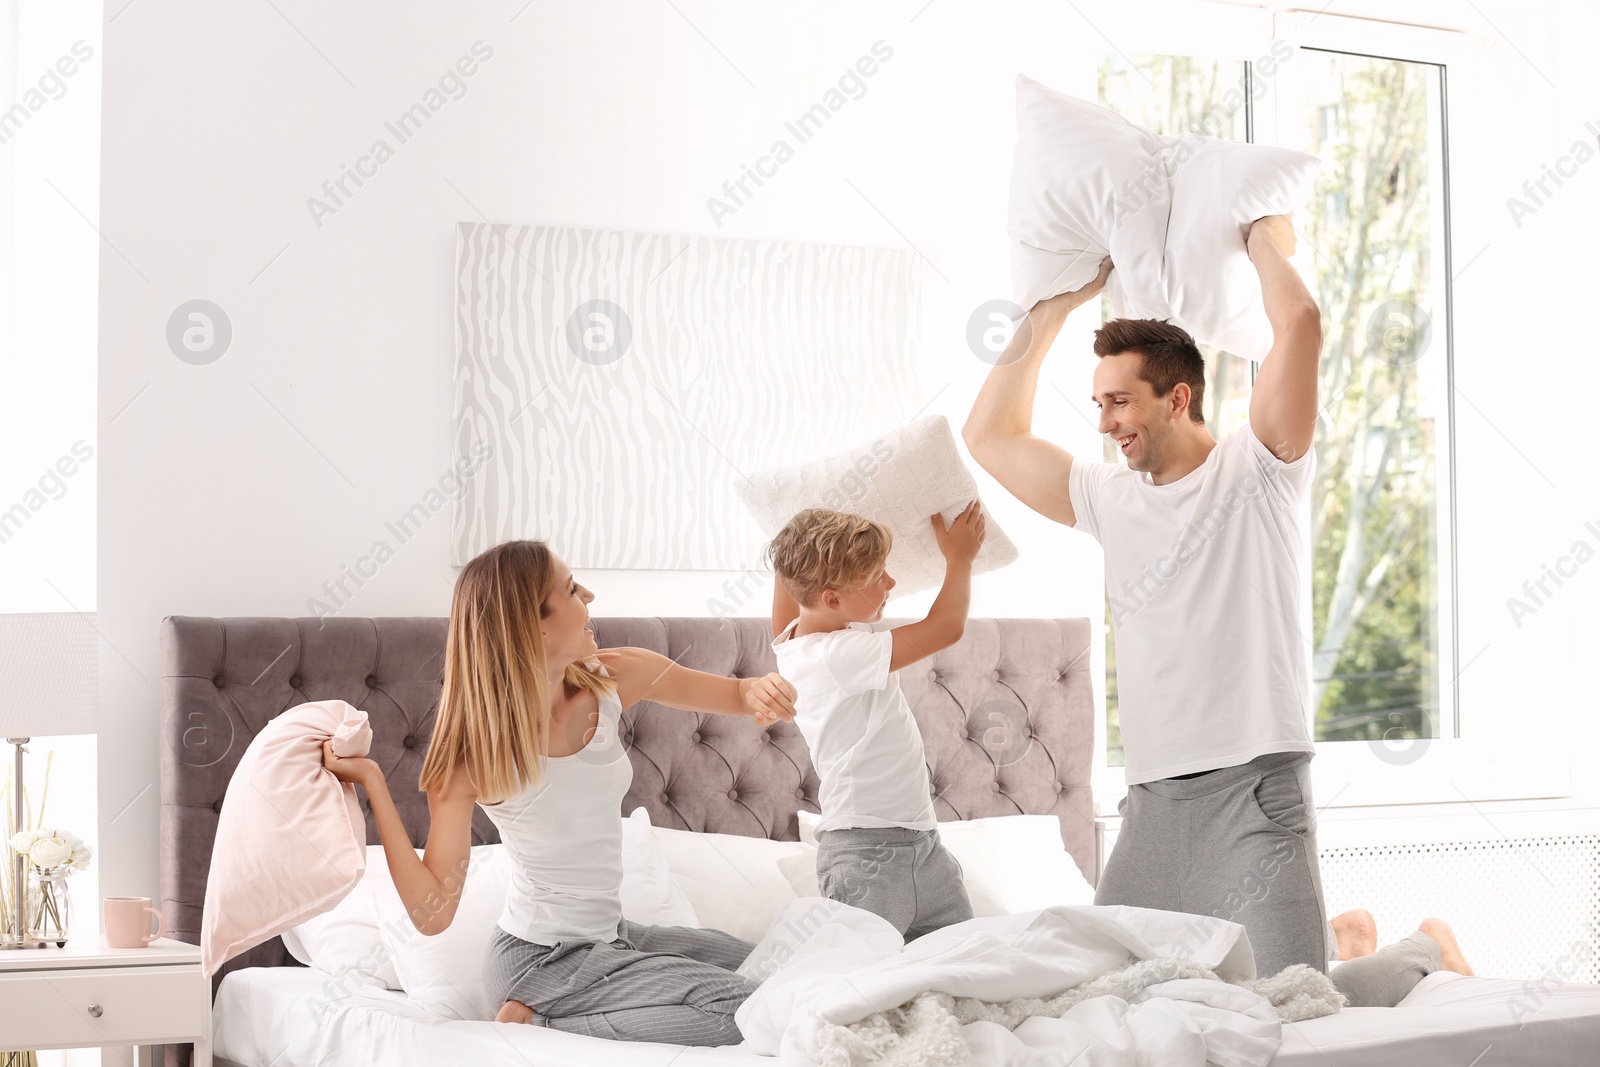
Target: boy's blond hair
<point x="821" y="549"/>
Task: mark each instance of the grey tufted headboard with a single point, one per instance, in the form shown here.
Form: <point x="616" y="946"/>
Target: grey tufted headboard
<point x="1006" y="718"/>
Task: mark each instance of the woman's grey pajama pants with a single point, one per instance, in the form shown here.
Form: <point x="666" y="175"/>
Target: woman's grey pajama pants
<point x="653" y="983"/>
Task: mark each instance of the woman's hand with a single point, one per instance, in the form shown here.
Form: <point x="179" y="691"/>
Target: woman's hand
<point x="769" y="698"/>
<point x="357" y="770"/>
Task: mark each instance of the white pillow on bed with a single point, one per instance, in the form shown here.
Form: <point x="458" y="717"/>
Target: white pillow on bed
<point x="1009" y="863"/>
<point x="733" y="881"/>
<point x="443" y="974"/>
<point x="344" y="942"/>
<point x="369" y="938"/>
<point x="649" y="894"/>
<point x="900" y="480"/>
<point x="1172" y="213"/>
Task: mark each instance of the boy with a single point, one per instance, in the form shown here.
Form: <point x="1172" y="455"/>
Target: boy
<point x="877" y="846"/>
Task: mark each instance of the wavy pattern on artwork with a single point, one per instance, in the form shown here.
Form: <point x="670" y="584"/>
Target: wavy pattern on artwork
<point x="743" y="355"/>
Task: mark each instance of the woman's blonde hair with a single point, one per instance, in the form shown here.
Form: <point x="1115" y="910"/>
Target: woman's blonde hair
<point x="821" y="549"/>
<point x="494" y="711"/>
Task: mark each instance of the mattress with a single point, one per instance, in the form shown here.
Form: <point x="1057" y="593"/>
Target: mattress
<point x="298" y="1017"/>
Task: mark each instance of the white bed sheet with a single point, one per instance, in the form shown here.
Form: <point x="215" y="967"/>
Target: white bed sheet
<point x="298" y="1017"/>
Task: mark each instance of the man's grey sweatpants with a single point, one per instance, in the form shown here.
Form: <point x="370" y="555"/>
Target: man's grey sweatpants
<point x="1240" y="843"/>
<point x="905" y="876"/>
<point x="653" y="983"/>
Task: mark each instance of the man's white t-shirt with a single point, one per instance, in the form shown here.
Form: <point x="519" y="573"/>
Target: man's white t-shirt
<point x="1209" y="583"/>
<point x="864" y="741"/>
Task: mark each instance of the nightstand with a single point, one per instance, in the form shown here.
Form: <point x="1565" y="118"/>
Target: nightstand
<point x="87" y="995"/>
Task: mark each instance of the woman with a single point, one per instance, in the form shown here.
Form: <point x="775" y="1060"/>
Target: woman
<point x="528" y="726"/>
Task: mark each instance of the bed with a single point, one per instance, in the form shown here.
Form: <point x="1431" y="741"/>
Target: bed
<point x="1007" y="722"/>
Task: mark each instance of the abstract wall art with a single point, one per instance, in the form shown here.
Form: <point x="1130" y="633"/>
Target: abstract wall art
<point x="620" y="383"/>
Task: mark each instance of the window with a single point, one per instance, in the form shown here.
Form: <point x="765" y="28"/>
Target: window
<point x="1376" y="248"/>
<point x="1331" y="123"/>
<point x="1372" y="252"/>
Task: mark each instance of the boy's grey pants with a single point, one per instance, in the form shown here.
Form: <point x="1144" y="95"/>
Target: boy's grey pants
<point x="1240" y="843"/>
<point x="905" y="876"/>
<point x="653" y="983"/>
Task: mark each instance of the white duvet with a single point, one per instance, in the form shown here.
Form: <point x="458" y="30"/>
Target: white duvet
<point x="834" y="975"/>
<point x="294" y="1017"/>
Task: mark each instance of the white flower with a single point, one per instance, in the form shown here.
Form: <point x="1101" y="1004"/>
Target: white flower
<point x="51" y="849"/>
<point x="23" y="840"/>
<point x="49" y="852"/>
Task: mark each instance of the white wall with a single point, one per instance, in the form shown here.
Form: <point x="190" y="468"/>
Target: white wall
<point x="49" y="173"/>
<point x="238" y="487"/>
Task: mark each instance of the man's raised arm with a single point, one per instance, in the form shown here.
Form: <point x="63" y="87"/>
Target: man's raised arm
<point x="1283" y="402"/>
<point x="998" y="432"/>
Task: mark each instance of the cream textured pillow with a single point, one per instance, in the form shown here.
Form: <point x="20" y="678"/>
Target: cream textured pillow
<point x="1172" y="212"/>
<point x="900" y="479"/>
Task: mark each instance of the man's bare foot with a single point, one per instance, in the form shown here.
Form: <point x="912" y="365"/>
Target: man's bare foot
<point x="1440" y="932"/>
<point x="1357" y="932"/>
<point x="514" y="1011"/>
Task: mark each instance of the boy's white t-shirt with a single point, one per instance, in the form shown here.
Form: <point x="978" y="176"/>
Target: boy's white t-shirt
<point x="864" y="741"/>
<point x="1209" y="583"/>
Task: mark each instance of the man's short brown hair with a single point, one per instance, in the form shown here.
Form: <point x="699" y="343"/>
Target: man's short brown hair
<point x="821" y="549"/>
<point x="1170" y="356"/>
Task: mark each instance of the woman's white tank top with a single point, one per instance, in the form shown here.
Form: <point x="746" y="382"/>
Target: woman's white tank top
<point x="564" y="837"/>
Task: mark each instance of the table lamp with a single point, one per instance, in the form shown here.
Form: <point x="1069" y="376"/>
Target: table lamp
<point x="49" y="685"/>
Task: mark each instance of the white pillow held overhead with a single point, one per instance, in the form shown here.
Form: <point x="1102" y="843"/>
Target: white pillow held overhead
<point x="899" y="479"/>
<point x="1172" y="212"/>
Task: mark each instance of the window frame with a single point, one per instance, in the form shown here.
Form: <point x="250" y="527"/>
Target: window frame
<point x="1477" y="758"/>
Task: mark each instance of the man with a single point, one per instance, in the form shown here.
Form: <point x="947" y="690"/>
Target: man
<point x="1207" y="553"/>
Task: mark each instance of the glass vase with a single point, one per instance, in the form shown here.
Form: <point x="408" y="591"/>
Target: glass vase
<point x="49" y="906"/>
<point x="10" y="932"/>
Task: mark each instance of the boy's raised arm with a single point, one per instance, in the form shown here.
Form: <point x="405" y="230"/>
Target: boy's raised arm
<point x="947" y="618"/>
<point x="784" y="608"/>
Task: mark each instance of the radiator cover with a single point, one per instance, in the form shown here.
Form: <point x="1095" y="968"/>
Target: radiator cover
<point x="1525" y="908"/>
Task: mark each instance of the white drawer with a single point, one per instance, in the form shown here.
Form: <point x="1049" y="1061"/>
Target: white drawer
<point x="143" y="1005"/>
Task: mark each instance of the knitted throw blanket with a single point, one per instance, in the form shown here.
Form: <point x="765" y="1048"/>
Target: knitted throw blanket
<point x="926" y="1031"/>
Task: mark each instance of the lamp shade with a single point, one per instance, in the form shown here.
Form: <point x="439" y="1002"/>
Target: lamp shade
<point x="49" y="674"/>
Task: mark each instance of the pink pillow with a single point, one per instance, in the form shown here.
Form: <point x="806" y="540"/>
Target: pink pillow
<point x="291" y="842"/>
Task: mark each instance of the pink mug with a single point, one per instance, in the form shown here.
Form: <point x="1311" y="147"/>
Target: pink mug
<point x="127" y="925"/>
